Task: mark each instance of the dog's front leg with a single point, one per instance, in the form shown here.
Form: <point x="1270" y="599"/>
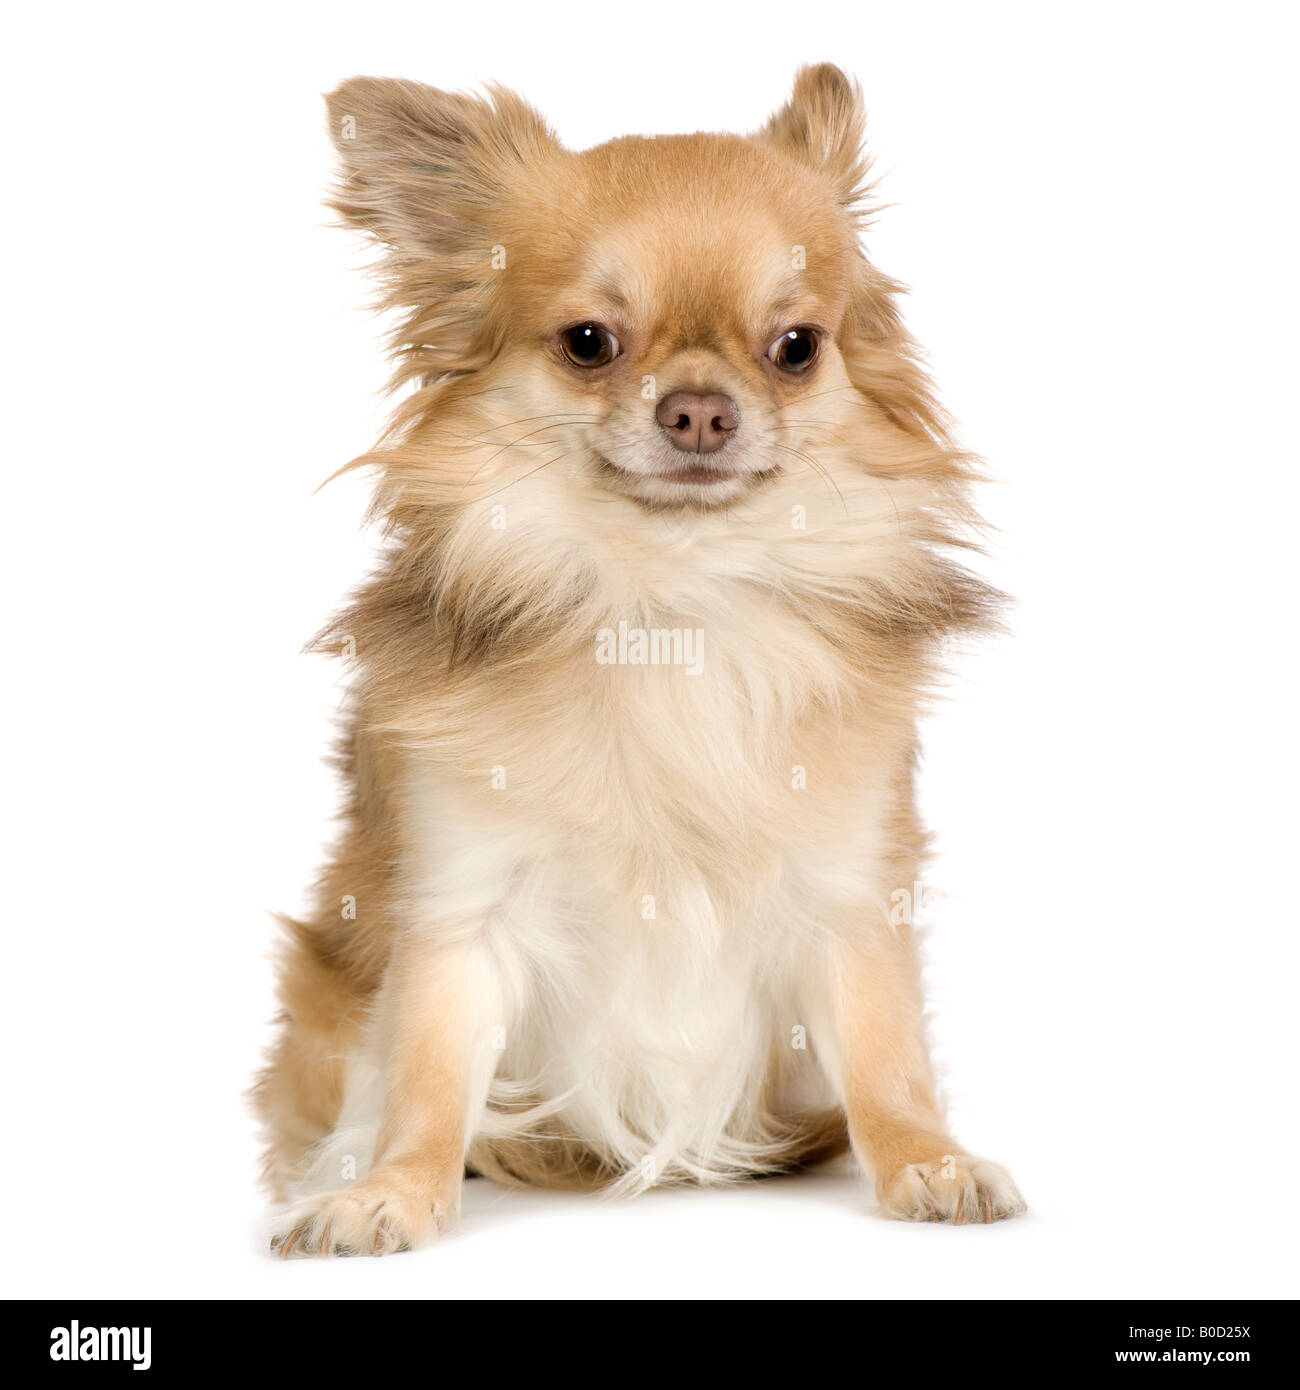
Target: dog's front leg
<point x="431" y="1039"/>
<point x="896" y="1124"/>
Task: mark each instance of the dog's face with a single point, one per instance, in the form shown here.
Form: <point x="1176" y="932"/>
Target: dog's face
<point x="689" y="300"/>
<point x="676" y="311"/>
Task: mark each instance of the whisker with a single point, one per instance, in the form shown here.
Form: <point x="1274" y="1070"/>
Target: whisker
<point x="813" y="463"/>
<point x="546" y="463"/>
<point x="514" y="443"/>
<point x="559" y="418"/>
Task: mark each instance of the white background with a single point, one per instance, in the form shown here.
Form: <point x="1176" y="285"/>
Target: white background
<point x="1096" y="210"/>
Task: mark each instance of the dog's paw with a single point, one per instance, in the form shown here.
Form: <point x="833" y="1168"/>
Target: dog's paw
<point x="957" y="1188"/>
<point x="380" y="1215"/>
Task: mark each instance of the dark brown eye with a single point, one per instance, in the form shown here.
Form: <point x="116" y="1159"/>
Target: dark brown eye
<point x="795" y="350"/>
<point x="589" y="345"/>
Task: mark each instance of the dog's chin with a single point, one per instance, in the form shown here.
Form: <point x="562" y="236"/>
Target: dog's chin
<point x="698" y="481"/>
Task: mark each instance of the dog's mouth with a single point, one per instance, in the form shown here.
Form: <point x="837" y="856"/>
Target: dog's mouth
<point x="693" y="482"/>
<point x="697" y="475"/>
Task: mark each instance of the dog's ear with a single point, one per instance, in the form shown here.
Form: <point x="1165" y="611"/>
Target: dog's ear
<point x="434" y="177"/>
<point x="422" y="169"/>
<point x="822" y="126"/>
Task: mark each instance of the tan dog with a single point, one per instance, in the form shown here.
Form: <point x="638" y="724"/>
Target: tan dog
<point x="633" y="730"/>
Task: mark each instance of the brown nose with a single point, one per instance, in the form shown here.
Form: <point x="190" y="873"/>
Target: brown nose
<point x="697" y="424"/>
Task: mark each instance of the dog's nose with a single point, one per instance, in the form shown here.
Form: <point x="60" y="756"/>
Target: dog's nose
<point x="697" y="424"/>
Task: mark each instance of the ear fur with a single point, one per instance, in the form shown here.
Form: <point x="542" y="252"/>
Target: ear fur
<point x="422" y="167"/>
<point x="429" y="174"/>
<point x="822" y="126"/>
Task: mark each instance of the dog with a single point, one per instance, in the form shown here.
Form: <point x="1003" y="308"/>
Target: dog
<point x="673" y="525"/>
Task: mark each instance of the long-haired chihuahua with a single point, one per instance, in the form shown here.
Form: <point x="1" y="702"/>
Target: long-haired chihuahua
<point x="671" y="516"/>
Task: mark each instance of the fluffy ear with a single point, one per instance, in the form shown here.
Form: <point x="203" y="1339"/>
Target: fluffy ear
<point x="822" y="127"/>
<point x="423" y="168"/>
<point x="432" y="176"/>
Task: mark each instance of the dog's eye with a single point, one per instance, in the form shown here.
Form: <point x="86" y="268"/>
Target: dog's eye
<point x="589" y="345"/>
<point x="795" y="350"/>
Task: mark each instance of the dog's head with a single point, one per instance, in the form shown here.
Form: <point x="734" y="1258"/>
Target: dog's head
<point x="679" y="314"/>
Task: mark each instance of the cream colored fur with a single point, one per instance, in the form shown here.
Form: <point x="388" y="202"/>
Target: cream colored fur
<point x="622" y="925"/>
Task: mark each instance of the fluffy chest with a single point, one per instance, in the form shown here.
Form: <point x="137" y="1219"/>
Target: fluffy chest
<point x="661" y="1036"/>
<point x="677" y="744"/>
